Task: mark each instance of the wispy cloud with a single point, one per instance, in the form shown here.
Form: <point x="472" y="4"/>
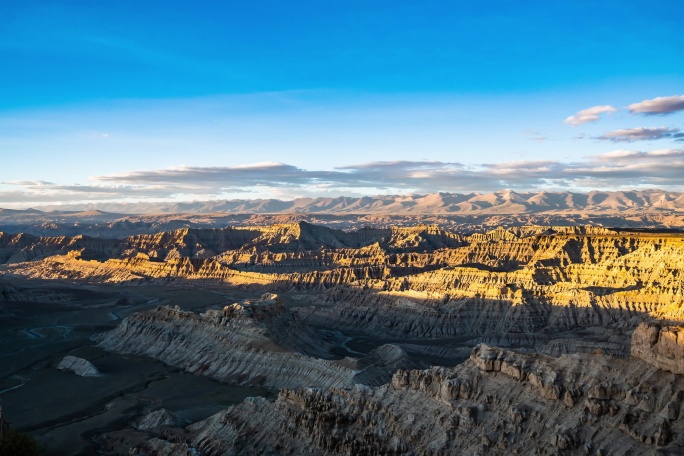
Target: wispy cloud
<point x="624" y="156"/>
<point x="27" y="183"/>
<point x="659" y="105"/>
<point x="589" y="115"/>
<point x="642" y="134"/>
<point x="655" y="106"/>
<point x="269" y="174"/>
<point x="536" y="136"/>
<point x="661" y="168"/>
<point x="47" y="192"/>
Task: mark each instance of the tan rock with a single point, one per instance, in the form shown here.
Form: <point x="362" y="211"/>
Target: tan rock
<point x="661" y="346"/>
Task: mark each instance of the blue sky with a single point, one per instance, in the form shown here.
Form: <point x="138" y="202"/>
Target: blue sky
<point x="129" y="101"/>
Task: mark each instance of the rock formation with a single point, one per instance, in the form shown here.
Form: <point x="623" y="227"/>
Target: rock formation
<point x="543" y="340"/>
<point x="519" y="285"/>
<point x="254" y="342"/>
<point x="153" y="421"/>
<point x="78" y="366"/>
<point x="661" y="346"/>
<point x="497" y="402"/>
<point x="17" y="248"/>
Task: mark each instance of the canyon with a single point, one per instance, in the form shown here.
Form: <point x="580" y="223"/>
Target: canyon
<point x="379" y="338"/>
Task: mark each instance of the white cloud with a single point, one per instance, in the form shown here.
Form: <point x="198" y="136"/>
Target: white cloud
<point x="26" y="183"/>
<point x="662" y="168"/>
<point x="589" y="115"/>
<point x="622" y="155"/>
<point x="659" y="105"/>
<point x="642" y="134"/>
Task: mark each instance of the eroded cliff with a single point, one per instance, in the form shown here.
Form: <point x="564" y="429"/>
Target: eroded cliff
<point x="254" y="343"/>
<point x="420" y="281"/>
<point x="589" y="315"/>
<point x="498" y="402"/>
<point x="661" y="346"/>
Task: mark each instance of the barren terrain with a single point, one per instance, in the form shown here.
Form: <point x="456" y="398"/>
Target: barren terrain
<point x="382" y="339"/>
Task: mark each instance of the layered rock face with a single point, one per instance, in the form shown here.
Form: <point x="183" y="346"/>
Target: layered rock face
<point x="258" y="343"/>
<point x="155" y="420"/>
<point x="254" y="342"/>
<point x="545" y="282"/>
<point x="420" y="281"/>
<point x="78" y="366"/>
<point x="17" y="248"/>
<point x="661" y="346"/>
<point x="498" y="402"/>
<point x="575" y="302"/>
<point x="120" y="226"/>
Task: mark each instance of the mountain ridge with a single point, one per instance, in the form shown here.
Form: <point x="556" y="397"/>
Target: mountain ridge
<point x="502" y="202"/>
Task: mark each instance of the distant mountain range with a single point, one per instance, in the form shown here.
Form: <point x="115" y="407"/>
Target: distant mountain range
<point x="500" y="202"/>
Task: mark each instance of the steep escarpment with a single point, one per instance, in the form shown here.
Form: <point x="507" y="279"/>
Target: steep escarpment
<point x="120" y="226"/>
<point x="567" y="282"/>
<point x="661" y="346"/>
<point x="257" y="343"/>
<point x="191" y="243"/>
<point x="285" y="238"/>
<point x="197" y="243"/>
<point x="498" y="402"/>
<point x="393" y="340"/>
<point x="17" y="248"/>
<point x="417" y="281"/>
<point x="253" y="342"/>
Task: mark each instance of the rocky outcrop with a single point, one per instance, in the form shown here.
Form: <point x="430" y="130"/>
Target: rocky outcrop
<point x="568" y="301"/>
<point x="153" y="421"/>
<point x="378" y="366"/>
<point x="120" y="226"/>
<point x="238" y="344"/>
<point x="78" y="366"/>
<point x="517" y="284"/>
<point x="560" y="347"/>
<point x="18" y="248"/>
<point x="661" y="346"/>
<point x="498" y="402"/>
<point x="255" y="342"/>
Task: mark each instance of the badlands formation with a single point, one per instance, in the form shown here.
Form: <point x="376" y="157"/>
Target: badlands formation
<point x="402" y="340"/>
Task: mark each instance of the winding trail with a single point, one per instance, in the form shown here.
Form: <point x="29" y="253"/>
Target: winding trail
<point x="34" y="334"/>
<point x="23" y="381"/>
